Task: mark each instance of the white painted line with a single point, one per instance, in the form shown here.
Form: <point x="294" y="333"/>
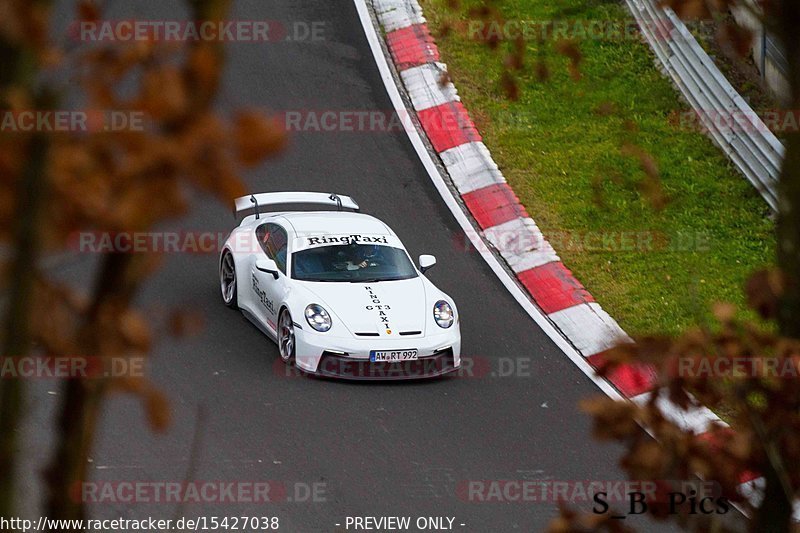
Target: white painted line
<point x="521" y="243"/>
<point x="471" y="167"/>
<point x="425" y="88"/>
<point x="697" y="419"/>
<point x="754" y="491"/>
<point x="399" y="14"/>
<point x="590" y="328"/>
<point x="520" y="262"/>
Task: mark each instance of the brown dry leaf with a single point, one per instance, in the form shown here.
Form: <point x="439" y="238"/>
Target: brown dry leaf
<point x="17" y="98"/>
<point x="763" y="291"/>
<point x="186" y="323"/>
<point x="36" y="23"/>
<point x="740" y="39"/>
<point x="605" y="109"/>
<point x="157" y="407"/>
<point x="740" y="444"/>
<point x="689" y="9"/>
<point x="156" y="404"/>
<point x="510" y="86"/>
<point x="650" y="187"/>
<point x="134" y="330"/>
<point x="570" y="521"/>
<point x="229" y="186"/>
<point x="257" y="137"/>
<point x="542" y="71"/>
<point x="598" y="193"/>
<point x="164" y="93"/>
<point x="80" y="183"/>
<point x="204" y="65"/>
<point x="724" y="311"/>
<point x="11" y="24"/>
<point x="570" y="50"/>
<point x="143" y="265"/>
<point x="560" y="524"/>
<point x="55" y="317"/>
<point x="88" y="10"/>
<point x="701" y="466"/>
<point x="612" y="419"/>
<point x="142" y="204"/>
<point x="516" y="59"/>
<point x="646" y="460"/>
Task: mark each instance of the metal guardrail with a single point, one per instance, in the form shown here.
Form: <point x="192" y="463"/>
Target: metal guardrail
<point x="774" y="51"/>
<point x="729" y="120"/>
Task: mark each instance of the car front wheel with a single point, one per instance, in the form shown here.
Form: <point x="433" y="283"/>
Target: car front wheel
<point x="227" y="280"/>
<point x="286" y="336"/>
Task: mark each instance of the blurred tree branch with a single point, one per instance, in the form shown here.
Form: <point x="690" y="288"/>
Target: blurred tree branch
<point x="20" y="47"/>
<point x="113" y="181"/>
<point x="787" y="18"/>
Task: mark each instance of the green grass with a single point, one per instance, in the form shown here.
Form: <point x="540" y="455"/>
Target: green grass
<point x="561" y="151"/>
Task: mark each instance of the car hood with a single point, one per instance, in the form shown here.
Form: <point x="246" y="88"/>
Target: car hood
<point x="386" y="308"/>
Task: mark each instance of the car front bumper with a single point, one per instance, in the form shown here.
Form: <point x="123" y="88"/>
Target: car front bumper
<point x="348" y="358"/>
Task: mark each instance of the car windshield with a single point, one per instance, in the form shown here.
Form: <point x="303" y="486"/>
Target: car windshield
<point x="353" y="263"/>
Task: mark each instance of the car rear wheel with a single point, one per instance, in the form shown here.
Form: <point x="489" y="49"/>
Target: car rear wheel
<point x="227" y="280"/>
<point x="286" y="344"/>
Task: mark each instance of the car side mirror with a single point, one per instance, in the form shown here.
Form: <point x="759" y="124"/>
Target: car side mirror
<point x="426" y="262"/>
<point x="268" y="266"/>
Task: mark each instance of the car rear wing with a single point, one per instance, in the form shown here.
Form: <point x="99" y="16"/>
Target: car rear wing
<point x="247" y="205"/>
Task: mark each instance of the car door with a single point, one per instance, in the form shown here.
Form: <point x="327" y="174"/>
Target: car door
<point x="268" y="291"/>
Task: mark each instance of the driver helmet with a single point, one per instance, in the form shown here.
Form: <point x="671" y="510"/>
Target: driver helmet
<point x="369" y="251"/>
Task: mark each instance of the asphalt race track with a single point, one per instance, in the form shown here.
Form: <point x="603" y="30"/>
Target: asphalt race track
<point x="372" y="449"/>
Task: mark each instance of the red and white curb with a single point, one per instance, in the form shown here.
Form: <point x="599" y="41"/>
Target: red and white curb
<point x="503" y="221"/>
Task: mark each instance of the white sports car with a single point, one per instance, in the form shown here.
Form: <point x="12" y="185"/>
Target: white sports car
<point x="337" y="290"/>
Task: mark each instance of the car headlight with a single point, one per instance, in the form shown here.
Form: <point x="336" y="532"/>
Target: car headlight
<point x="318" y="318"/>
<point x="443" y="314"/>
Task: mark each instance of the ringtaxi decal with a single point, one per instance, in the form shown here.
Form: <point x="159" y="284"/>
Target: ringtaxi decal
<point x="380" y="308"/>
<point x="347" y="239"/>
